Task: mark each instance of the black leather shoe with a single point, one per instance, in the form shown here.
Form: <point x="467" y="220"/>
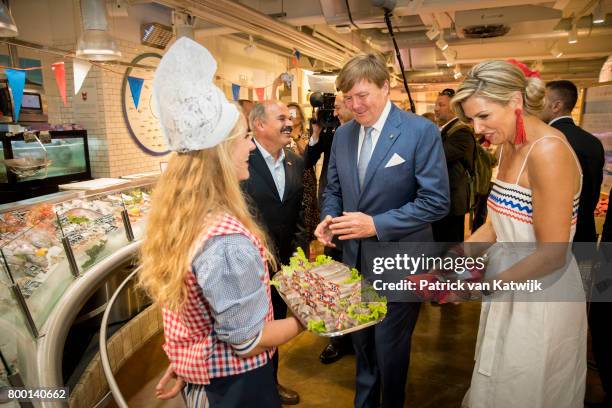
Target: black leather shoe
<point x="287" y="396"/>
<point x="331" y="353"/>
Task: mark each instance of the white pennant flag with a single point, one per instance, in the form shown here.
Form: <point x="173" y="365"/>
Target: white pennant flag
<point x="80" y="68"/>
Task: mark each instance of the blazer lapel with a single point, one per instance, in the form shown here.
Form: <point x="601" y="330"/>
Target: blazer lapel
<point x="261" y="167"/>
<point x="387" y="138"/>
<point x="352" y="155"/>
<point x="290" y="177"/>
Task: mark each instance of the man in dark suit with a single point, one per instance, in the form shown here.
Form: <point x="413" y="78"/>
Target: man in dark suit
<point x="386" y="182"/>
<point x="274" y="191"/>
<point x="459" y="144"/>
<point x="560" y="99"/>
<point x="320" y="144"/>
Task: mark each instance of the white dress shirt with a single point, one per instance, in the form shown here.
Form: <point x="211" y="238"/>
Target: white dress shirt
<point x="376" y="131"/>
<point x="276" y="167"/>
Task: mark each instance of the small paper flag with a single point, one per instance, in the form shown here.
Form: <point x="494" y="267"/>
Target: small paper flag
<point x="80" y="70"/>
<point x="298" y="54"/>
<point x="59" y="69"/>
<point x="236" y="91"/>
<point x="261" y="93"/>
<point x="16" y="80"/>
<point x="135" y="87"/>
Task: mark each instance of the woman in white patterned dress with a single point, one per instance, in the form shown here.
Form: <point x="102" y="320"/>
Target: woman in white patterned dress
<point x="530" y="353"/>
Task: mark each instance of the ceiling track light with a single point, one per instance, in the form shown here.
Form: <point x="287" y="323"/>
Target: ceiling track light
<point x="572" y="36"/>
<point x="599" y="13"/>
<point x="8" y="28"/>
<point x="457" y="72"/>
<point x="433" y="32"/>
<point x="555" y="51"/>
<point x="441" y="44"/>
<point x="450" y="56"/>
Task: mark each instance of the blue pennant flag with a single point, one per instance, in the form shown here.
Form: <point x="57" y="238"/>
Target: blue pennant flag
<point x="135" y="88"/>
<point x="298" y="54"/>
<point x="236" y="91"/>
<point x="16" y="80"/>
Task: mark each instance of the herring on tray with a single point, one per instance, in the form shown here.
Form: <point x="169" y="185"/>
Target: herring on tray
<point x="327" y="296"/>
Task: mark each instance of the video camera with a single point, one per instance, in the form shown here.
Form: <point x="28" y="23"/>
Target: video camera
<point x="324" y="113"/>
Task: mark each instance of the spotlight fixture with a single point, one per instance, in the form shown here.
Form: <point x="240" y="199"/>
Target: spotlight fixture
<point x="441" y="44"/>
<point x="599" y="13"/>
<point x="250" y="48"/>
<point x="433" y="32"/>
<point x="555" y="51"/>
<point x="457" y="72"/>
<point x="572" y="36"/>
<point x="450" y="56"/>
<point x="7" y="22"/>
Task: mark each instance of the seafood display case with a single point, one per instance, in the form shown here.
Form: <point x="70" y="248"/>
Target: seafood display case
<point x="48" y="247"/>
<point x="63" y="157"/>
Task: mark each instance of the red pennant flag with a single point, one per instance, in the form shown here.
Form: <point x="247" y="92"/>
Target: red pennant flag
<point x="260" y="93"/>
<point x="59" y="69"/>
<point x="294" y="60"/>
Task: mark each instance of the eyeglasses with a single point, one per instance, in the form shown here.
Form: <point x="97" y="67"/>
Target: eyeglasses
<point x="448" y="92"/>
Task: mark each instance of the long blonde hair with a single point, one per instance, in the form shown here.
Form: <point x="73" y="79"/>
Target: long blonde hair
<point x="196" y="187"/>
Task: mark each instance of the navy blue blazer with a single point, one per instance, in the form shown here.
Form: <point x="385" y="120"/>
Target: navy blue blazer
<point x="404" y="199"/>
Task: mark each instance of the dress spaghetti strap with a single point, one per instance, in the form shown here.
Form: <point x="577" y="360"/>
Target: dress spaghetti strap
<point x="531" y="147"/>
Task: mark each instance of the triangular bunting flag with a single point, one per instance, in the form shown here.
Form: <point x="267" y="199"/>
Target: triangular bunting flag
<point x="294" y="61"/>
<point x="80" y="69"/>
<point x="236" y="91"/>
<point x="16" y="80"/>
<point x="312" y="61"/>
<point x="59" y="69"/>
<point x="298" y="54"/>
<point x="135" y="88"/>
<point x="261" y="94"/>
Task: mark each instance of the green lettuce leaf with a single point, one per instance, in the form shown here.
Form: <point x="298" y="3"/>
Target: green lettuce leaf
<point x="316" y="326"/>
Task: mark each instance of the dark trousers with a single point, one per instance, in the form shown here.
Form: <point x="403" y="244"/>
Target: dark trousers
<point x="280" y="312"/>
<point x="255" y="388"/>
<point x="600" y="316"/>
<point x="480" y="211"/>
<point x="383" y="356"/>
<point x="449" y="229"/>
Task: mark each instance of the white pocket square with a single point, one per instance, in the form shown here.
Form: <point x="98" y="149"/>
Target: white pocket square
<point x="394" y="160"/>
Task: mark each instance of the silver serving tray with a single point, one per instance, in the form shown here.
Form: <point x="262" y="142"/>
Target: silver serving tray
<point x="330" y="334"/>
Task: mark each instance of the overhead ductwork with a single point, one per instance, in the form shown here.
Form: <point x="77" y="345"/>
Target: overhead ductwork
<point x="236" y="16"/>
<point x="96" y="43"/>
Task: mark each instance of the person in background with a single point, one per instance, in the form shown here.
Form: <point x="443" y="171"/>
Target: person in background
<point x="600" y="312"/>
<point x="203" y="258"/>
<point x="246" y="105"/>
<point x="530" y="353"/>
<point x="299" y="141"/>
<point x="386" y="182"/>
<point x="560" y="99"/>
<point x="431" y="116"/>
<point x="341" y="345"/>
<point x="275" y="193"/>
<point x="459" y="144"/>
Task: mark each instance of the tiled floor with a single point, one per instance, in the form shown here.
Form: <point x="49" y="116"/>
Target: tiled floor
<point x="440" y="369"/>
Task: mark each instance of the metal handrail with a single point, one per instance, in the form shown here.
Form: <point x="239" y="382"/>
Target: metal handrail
<point x="108" y="372"/>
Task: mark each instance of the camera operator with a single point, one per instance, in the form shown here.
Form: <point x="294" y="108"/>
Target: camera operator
<point x="320" y="143"/>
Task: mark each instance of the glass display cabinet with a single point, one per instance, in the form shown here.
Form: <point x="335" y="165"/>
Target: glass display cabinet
<point x="64" y="156"/>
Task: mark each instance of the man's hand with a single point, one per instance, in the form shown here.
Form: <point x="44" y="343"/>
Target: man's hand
<point x="353" y="225"/>
<point x="160" y="390"/>
<point x="324" y="233"/>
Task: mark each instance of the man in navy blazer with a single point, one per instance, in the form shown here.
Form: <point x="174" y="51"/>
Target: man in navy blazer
<point x="387" y="181"/>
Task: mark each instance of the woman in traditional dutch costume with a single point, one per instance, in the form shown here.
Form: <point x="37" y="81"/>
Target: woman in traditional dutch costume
<point x="204" y="260"/>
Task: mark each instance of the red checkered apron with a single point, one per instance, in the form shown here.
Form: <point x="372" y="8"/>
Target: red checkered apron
<point x="192" y="346"/>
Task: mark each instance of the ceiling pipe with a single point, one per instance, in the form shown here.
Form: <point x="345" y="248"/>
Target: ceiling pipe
<point x="250" y="21"/>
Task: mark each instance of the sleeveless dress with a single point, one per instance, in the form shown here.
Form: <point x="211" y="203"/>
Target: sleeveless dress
<point x="529" y="354"/>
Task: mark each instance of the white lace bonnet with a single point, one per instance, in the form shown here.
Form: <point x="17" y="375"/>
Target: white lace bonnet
<point x="194" y="114"/>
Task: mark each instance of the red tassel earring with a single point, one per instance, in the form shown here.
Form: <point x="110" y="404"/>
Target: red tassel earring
<point x="520" y="136"/>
